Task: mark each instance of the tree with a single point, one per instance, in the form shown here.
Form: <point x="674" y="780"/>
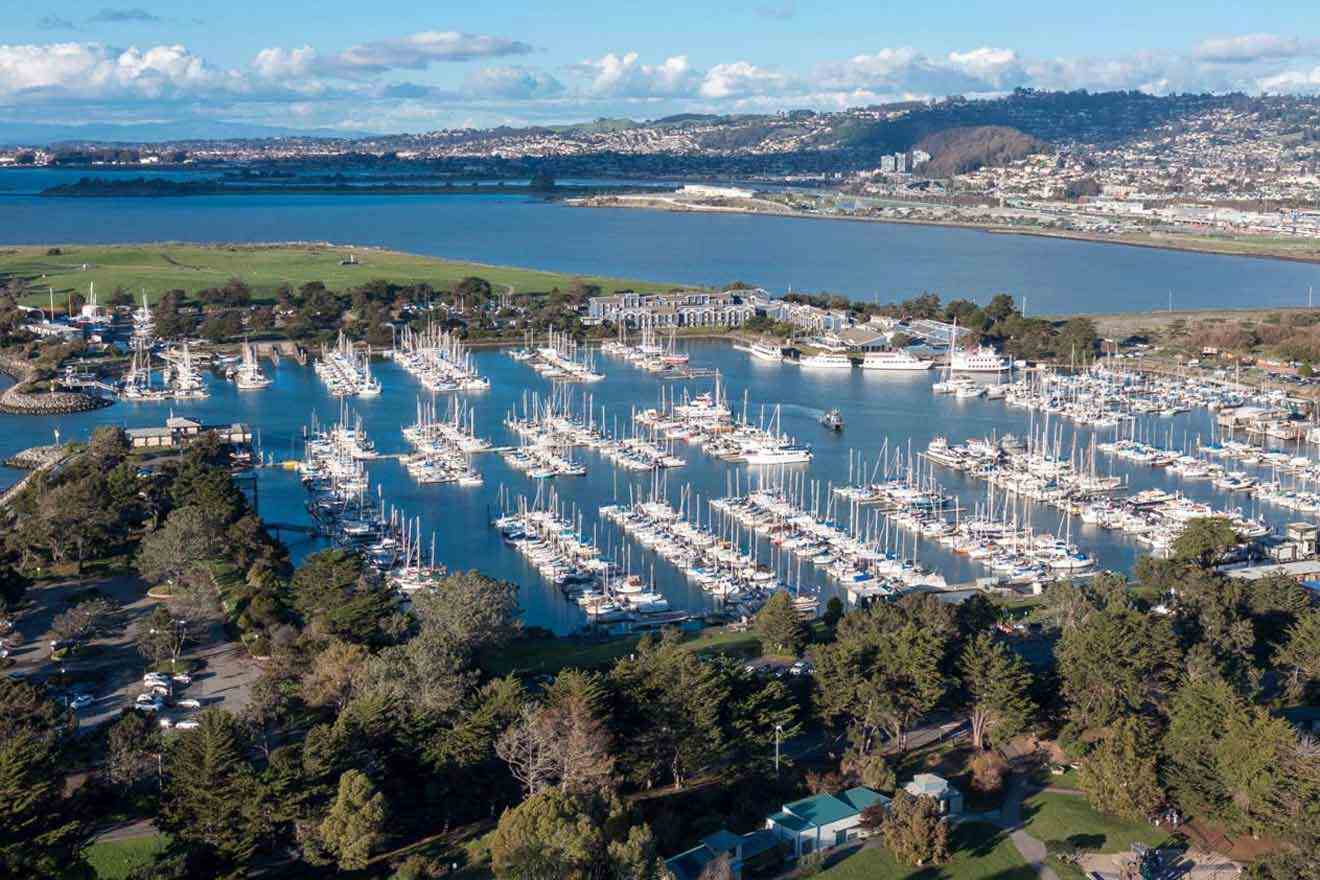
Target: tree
<point x="1205" y="540"/>
<point x="1299" y="658"/>
<point x="1119" y="774"/>
<point x="40" y="835"/>
<point x="1114" y="663"/>
<point x="996" y="689"/>
<point x="915" y="832"/>
<point x="133" y="750"/>
<point x="330" y="681"/>
<point x="779" y="625"/>
<point x="561" y="834"/>
<point x="160" y="637"/>
<point x="86" y="620"/>
<point x="13" y="586"/>
<point x="1199" y="712"/>
<point x="190" y="537"/>
<point x="356" y="822"/>
<point x="211" y="794"/>
<point x="833" y="612"/>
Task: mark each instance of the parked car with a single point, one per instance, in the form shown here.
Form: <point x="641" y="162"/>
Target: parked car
<point x="186" y="725"/>
<point x="189" y="703"/>
<point x="148" y="706"/>
<point x="182" y="678"/>
<point x="81" y="701"/>
<point x="166" y="723"/>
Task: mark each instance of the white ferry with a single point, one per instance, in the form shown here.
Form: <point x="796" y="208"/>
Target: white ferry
<point x="763" y="351"/>
<point x="826" y="361"/>
<point x="894" y="360"/>
<point x="982" y="360"/>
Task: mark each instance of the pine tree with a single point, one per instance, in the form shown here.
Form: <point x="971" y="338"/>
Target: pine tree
<point x="1119" y="774"/>
<point x="779" y="626"/>
<point x="996" y="686"/>
<point x="915" y="832"/>
<point x="356" y="820"/>
<point x="1198" y="714"/>
<point x="1299" y="658"/>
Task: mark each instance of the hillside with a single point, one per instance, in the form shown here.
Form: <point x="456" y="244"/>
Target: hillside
<point x="959" y="150"/>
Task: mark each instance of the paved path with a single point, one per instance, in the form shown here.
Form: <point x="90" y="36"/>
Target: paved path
<point x="1010" y="819"/>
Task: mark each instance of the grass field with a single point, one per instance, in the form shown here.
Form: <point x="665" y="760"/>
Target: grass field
<point x="115" y="859"/>
<point x="157" y="268"/>
<point x="548" y="656"/>
<point x="1069" y="817"/>
<point x="980" y="852"/>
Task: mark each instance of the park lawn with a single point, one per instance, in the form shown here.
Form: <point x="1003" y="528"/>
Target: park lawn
<point x="156" y="268"/>
<point x="1050" y="816"/>
<point x="980" y="852"/>
<point x="549" y="656"/>
<point x="116" y="859"/>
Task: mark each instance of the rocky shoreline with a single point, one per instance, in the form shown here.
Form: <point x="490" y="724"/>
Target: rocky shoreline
<point x="17" y="401"/>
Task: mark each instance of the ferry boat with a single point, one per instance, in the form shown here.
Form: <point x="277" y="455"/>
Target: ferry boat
<point x="826" y="361"/>
<point x="763" y="351"/>
<point x="895" y="360"/>
<point x="981" y="360"/>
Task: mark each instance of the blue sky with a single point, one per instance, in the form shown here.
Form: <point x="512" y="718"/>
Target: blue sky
<point x="390" y="66"/>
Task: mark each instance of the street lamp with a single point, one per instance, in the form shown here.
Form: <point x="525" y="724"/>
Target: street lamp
<point x="779" y="729"/>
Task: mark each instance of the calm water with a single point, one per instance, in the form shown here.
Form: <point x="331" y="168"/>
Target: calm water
<point x="875" y="407"/>
<point x="861" y="260"/>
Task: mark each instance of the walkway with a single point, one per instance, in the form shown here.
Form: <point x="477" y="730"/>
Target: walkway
<point x="1010" y="819"/>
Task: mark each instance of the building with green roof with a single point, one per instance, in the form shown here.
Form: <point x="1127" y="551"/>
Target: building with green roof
<point x="823" y="820"/>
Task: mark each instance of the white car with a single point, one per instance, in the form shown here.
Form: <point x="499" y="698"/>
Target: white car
<point x="182" y="678"/>
<point x="80" y="702"/>
<point x="155" y="678"/>
<point x="148" y="706"/>
<point x="187" y="725"/>
<point x="189" y="703"/>
<point x="166" y="723"/>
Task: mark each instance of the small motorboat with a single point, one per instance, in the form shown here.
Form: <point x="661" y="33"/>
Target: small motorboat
<point x="832" y="420"/>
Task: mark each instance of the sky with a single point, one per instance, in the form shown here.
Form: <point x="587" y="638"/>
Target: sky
<point x="392" y="66"/>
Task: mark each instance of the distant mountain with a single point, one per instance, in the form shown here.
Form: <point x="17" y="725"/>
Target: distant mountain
<point x="32" y="134"/>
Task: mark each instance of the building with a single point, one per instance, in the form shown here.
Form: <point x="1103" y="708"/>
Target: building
<point x="823" y="820"/>
<point x="929" y="785"/>
<point x="760" y="849"/>
<point x="179" y="431"/>
<point x="687" y="308"/>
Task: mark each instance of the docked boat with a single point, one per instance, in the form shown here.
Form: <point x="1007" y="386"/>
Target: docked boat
<point x="982" y="359"/>
<point x="826" y="360"/>
<point x="895" y="361"/>
<point x="763" y="351"/>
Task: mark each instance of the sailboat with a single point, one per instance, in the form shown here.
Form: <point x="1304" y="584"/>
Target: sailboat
<point x="249" y="376"/>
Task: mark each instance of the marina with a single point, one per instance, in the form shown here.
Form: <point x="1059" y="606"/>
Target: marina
<point x="890" y="492"/>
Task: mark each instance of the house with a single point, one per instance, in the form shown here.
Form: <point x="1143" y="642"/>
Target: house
<point x="756" y="850"/>
<point x="929" y="785"/>
<point x="823" y="820"/>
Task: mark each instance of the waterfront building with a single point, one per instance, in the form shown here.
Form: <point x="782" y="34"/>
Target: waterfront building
<point x="824" y="820"/>
<point x="685" y="308"/>
<point x="179" y="431"/>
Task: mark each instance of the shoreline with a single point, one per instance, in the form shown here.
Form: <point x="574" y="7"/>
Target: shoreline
<point x="1168" y="244"/>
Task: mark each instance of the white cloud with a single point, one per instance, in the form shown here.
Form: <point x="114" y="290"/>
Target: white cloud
<point x="740" y="79"/>
<point x="1247" y="48"/>
<point x="1292" y="82"/>
<point x="414" y="52"/>
<point x="511" y="83"/>
<point x="624" y="76"/>
<point x="96" y="71"/>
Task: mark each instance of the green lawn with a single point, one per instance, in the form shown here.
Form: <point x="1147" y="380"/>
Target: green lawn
<point x="157" y="268"/>
<point x="981" y="852"/>
<point x="115" y="859"/>
<point x="1069" y="817"/>
<point x="548" y="656"/>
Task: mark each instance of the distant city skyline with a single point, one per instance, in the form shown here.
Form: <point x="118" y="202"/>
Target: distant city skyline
<point x="390" y="66"/>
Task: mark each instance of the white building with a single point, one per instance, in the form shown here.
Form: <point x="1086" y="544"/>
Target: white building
<point x="824" y="820"/>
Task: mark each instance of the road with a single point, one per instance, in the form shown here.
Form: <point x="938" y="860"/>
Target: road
<point x="111" y="669"/>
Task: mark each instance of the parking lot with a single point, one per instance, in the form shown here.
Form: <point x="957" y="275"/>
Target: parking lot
<point x="108" y="671"/>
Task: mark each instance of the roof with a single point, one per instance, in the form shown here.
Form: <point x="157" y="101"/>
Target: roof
<point x="928" y="783"/>
<point x="722" y="841"/>
<point x="689" y="865"/>
<point x="862" y="797"/>
<point x="789" y="821"/>
<point x="758" y="842"/>
<point x="821" y="809"/>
